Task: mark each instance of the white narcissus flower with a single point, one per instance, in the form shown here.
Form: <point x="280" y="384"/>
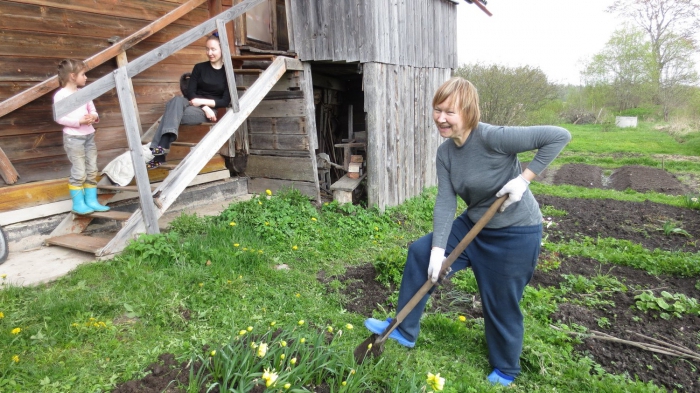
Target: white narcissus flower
<point x="270" y="377"/>
<point x="262" y="349"/>
<point x="435" y="381"/>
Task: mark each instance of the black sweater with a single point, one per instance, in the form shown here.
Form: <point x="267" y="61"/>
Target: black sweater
<point x="208" y="82"/>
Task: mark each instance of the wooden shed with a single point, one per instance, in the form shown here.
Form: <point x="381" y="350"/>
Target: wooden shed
<point x="316" y="81"/>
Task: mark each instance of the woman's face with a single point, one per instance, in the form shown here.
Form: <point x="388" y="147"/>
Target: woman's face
<point x="213" y="51"/>
<point x="449" y="121"/>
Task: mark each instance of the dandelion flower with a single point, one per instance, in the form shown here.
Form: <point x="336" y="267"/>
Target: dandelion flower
<point x="295" y="248"/>
<point x="242" y="332"/>
<point x="236" y="244"/>
<point x="240" y="277"/>
<point x="15" y="359"/>
<point x="260" y="251"/>
<point x="201" y="284"/>
<point x="267" y="223"/>
<point x="298" y="295"/>
<point x="233" y="224"/>
<point x="376" y="228"/>
<point x="228" y="281"/>
<point x="303" y="340"/>
<point x="293" y="361"/>
<point x="301" y="322"/>
<point x="268" y="192"/>
<point x="262" y="349"/>
<point x="283" y="343"/>
<point x="16" y="330"/>
<point x="2" y="315"/>
<point x="287" y="385"/>
<point x="249" y="328"/>
<point x="245" y="248"/>
<point x="212" y="353"/>
<point x="436" y="382"/>
<point x="313" y="218"/>
<point x="282" y="356"/>
<point x="259" y="203"/>
<point x="349" y="326"/>
<point x="273" y="323"/>
<point x="462" y="318"/>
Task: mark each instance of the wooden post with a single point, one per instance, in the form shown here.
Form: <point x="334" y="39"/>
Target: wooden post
<point x="351" y="134"/>
<point x="124" y="91"/>
<point x="7" y="170"/>
<point x="122" y="61"/>
<point x="228" y="64"/>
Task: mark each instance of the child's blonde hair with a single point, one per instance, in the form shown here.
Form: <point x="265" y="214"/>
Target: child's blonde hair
<point x="67" y="67"/>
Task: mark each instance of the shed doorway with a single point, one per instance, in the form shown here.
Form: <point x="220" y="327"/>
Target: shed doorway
<point x="341" y="155"/>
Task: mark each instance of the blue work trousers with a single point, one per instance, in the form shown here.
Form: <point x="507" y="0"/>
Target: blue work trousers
<point x="503" y="261"/>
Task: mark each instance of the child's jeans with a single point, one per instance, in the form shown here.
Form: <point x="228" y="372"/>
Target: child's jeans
<point x="82" y="153"/>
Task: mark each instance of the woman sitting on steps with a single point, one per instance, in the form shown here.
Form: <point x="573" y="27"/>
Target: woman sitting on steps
<point x="207" y="90"/>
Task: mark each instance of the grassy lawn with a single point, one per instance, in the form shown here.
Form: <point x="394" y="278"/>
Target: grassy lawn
<point x="212" y="288"/>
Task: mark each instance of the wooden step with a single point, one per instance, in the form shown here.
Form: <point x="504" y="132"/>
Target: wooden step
<point x="112" y="215"/>
<point x="248" y="71"/>
<point x="75" y="241"/>
<point x="253" y="57"/>
<point x="120" y="188"/>
<point x="189" y="144"/>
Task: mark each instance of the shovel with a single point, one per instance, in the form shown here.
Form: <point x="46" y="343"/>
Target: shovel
<point x="374" y="345"/>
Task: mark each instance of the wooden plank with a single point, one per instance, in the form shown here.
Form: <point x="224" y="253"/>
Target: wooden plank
<point x="279" y="153"/>
<point x="105" y="83"/>
<point x="345" y="183"/>
<point x="309" y="108"/>
<point x="286" y="168"/>
<point x="290" y="24"/>
<point x="279" y="142"/>
<point x="259" y="185"/>
<point x="91" y="62"/>
<point x="7" y="171"/>
<point x="146" y="9"/>
<point x="280" y="108"/>
<point x="85" y="243"/>
<point x="150" y="218"/>
<point x="228" y="64"/>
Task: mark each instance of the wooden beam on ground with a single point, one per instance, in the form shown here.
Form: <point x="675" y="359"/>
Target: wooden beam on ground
<point x="21" y="99"/>
<point x="7" y="170"/>
<point x="106" y="83"/>
<point x="228" y="64"/>
<point x="133" y="136"/>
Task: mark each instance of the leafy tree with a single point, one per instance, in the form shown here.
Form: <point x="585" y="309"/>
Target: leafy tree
<point x="623" y="69"/>
<point x="670" y="26"/>
<point x="507" y="95"/>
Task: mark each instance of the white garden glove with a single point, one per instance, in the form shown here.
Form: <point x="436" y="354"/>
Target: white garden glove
<point x="515" y="190"/>
<point x="437" y="256"/>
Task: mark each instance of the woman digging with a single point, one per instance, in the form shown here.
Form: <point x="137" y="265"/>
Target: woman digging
<point x="479" y="164"/>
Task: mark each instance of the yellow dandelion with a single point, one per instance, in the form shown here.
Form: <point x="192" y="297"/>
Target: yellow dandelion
<point x="295" y="248"/>
<point x="293" y="361"/>
<point x="201" y="284"/>
<point x="212" y="353"/>
<point x="301" y="322"/>
<point x="236" y="244"/>
<point x="228" y="281"/>
<point x="242" y="332"/>
<point x="287" y="385"/>
<point x="313" y="218"/>
<point x="2" y="315"/>
<point x="16" y="330"/>
<point x="233" y="224"/>
<point x="376" y="228"/>
<point x="15" y="359"/>
<point x="298" y="295"/>
<point x="262" y="349"/>
<point x="260" y="251"/>
<point x="245" y="248"/>
<point x="349" y="326"/>
<point x="462" y="318"/>
<point x="303" y="340"/>
<point x="259" y="203"/>
<point x="436" y="382"/>
<point x="283" y="343"/>
<point x="267" y="223"/>
<point x="249" y="328"/>
<point x="268" y="192"/>
<point x="240" y="277"/>
<point x="282" y="356"/>
<point x="273" y="323"/>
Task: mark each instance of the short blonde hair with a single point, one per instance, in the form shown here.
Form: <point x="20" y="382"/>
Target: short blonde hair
<point x="465" y="99"/>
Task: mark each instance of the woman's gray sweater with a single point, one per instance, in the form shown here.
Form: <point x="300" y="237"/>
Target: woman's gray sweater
<point x="477" y="170"/>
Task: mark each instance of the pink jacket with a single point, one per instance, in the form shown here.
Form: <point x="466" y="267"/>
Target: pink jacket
<point x="71" y="122"/>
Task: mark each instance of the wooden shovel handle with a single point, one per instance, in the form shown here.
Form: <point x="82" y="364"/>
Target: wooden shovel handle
<point x="445" y="265"/>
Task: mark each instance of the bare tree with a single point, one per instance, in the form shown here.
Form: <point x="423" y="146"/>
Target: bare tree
<point x="671" y="26"/>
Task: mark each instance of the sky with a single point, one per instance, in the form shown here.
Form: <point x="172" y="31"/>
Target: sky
<point x="555" y="35"/>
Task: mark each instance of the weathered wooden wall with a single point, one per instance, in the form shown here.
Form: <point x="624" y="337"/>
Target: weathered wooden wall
<point x="418" y="33"/>
<point x="36" y="34"/>
<point x="401" y="136"/>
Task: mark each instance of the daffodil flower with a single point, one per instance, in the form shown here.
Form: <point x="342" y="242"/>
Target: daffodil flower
<point x="212" y="353"/>
<point x="270" y="377"/>
<point x="435" y="381"/>
<point x="283" y="343"/>
<point x="303" y="340"/>
<point x="330" y="329"/>
<point x="249" y="328"/>
<point x="273" y="323"/>
<point x="3" y="276"/>
<point x="262" y="349"/>
<point x="293" y="361"/>
<point x="242" y="332"/>
<point x="287" y="385"/>
<point x="282" y="356"/>
<point x="349" y="326"/>
<point x="301" y="322"/>
<point x="344" y="383"/>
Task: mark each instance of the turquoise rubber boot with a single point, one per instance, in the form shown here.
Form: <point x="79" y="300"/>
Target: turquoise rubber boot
<point x="91" y="200"/>
<point x="79" y="206"/>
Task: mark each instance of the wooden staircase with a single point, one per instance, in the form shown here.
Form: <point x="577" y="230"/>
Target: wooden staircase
<point x="197" y="155"/>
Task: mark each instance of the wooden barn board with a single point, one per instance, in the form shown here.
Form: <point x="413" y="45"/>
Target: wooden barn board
<point x="279" y="142"/>
<point x="280" y="108"/>
<point x="276" y="125"/>
<point x="288" y="168"/>
<point x="85" y="243"/>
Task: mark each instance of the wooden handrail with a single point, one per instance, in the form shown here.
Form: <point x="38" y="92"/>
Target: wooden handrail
<point x="36" y="91"/>
<point x="106" y="83"/>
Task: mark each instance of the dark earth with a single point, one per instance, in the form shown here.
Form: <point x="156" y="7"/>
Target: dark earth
<point x="615" y="315"/>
